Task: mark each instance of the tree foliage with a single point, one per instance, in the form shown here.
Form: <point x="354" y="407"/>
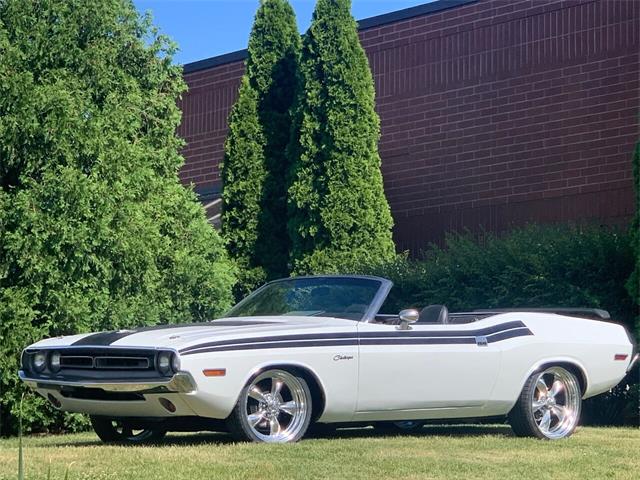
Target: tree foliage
<point x="243" y="176"/>
<point x="255" y="207"/>
<point x="95" y="230"/>
<point x="339" y="216"/>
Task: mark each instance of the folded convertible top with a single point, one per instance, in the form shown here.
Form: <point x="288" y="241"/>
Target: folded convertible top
<point x="596" y="313"/>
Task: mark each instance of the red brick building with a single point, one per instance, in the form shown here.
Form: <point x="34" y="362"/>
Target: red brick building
<point x="494" y="113"/>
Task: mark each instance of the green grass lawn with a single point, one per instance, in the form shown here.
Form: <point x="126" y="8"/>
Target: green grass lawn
<point x="463" y="452"/>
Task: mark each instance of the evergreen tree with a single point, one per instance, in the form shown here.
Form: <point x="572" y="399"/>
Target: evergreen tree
<point x="259" y="240"/>
<point x="243" y="176"/>
<point x="339" y="216"/>
<point x="96" y="231"/>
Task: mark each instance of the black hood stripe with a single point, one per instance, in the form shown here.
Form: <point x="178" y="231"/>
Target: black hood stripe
<point x="103" y="339"/>
<point x="352" y="339"/>
<point x="392" y="334"/>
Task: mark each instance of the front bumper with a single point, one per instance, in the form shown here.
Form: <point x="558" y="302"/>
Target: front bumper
<point x="181" y="382"/>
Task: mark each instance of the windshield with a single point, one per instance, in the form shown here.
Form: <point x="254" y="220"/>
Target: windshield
<point x="341" y="297"/>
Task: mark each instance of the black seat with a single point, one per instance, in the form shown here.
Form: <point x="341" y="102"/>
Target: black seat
<point x="434" y="314"/>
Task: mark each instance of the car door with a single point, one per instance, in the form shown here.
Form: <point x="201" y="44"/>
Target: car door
<point x="428" y="366"/>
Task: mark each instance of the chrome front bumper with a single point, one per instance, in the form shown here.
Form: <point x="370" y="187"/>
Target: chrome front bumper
<point x="180" y="383"/>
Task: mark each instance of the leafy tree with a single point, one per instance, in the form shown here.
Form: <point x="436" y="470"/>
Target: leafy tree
<point x="256" y="208"/>
<point x="96" y="231"/>
<point x="339" y="216"/>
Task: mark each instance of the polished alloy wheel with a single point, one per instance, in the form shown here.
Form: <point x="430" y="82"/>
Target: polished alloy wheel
<point x="276" y="406"/>
<point x="556" y="402"/>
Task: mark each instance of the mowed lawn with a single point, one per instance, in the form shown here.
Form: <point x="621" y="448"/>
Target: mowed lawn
<point x="461" y="452"/>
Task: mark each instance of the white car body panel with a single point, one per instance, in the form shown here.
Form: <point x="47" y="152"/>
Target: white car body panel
<point x="451" y="374"/>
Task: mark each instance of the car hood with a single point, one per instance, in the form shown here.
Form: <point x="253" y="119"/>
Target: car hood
<point x="186" y="335"/>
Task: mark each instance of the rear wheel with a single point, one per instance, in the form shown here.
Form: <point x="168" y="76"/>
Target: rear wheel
<point x="118" y="431"/>
<point x="274" y="407"/>
<point x="549" y="405"/>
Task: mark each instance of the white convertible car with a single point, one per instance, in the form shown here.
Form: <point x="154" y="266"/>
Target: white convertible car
<point x="316" y="350"/>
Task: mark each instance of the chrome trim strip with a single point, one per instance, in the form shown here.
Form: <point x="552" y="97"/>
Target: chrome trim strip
<point x="181" y="382"/>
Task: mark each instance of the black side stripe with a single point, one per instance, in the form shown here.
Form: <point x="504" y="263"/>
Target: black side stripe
<point x="497" y="337"/>
<point x="266" y="345"/>
<point x="278" y="338"/>
<point x="394" y="334"/>
<point x="481" y="332"/>
<point x="518" y="332"/>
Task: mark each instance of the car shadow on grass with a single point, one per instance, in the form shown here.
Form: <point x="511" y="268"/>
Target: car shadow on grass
<point x="202" y="438"/>
<point x="427" y="430"/>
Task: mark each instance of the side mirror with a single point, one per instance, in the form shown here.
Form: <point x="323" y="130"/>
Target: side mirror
<point x="408" y="317"/>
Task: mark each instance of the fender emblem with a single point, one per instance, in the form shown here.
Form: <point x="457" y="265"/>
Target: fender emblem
<point x="342" y="357"/>
<point x="482" y="341"/>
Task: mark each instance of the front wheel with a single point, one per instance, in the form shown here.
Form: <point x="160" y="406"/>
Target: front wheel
<point x="117" y="431"/>
<point x="274" y="407"/>
<point x="549" y="405"/>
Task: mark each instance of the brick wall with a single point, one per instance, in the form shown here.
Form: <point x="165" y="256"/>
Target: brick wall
<point x="493" y="114"/>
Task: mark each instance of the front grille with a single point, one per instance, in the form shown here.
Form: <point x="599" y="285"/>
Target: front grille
<point x="105" y="361"/>
<point x="72" y="361"/>
<point x="130" y="363"/>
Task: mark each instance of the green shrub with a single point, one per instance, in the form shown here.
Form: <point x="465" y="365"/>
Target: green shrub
<point x="534" y="266"/>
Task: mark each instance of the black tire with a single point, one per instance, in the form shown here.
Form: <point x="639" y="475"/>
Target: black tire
<point x="526" y="420"/>
<point x="294" y="389"/>
<point x="399" y="427"/>
<point x="116" y="431"/>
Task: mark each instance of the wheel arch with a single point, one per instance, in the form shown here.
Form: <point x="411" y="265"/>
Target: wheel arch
<point x="316" y="387"/>
<point x="571" y="364"/>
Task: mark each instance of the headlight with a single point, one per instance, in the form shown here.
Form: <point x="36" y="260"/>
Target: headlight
<point x="54" y="362"/>
<point x="164" y="362"/>
<point x="175" y="362"/>
<point x="39" y="361"/>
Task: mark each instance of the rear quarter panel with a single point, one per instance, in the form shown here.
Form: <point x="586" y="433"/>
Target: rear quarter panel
<point x="587" y="344"/>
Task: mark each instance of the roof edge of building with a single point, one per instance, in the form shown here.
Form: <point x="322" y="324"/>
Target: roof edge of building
<point x="371" y="22"/>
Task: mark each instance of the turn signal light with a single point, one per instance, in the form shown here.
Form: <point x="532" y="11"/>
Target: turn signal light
<point x="215" y="372"/>
<point x="620" y="356"/>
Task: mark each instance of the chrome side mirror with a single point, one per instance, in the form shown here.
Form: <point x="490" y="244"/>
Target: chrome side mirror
<point x="408" y="317"/>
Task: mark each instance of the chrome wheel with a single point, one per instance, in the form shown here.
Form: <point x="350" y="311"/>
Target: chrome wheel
<point x="277" y="407"/>
<point x="556" y="402"/>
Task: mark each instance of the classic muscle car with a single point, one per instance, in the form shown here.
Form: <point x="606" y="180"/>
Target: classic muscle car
<point x="318" y="350"/>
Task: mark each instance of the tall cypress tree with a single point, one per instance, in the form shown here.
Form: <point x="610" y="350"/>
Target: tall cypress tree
<point x="339" y="216"/>
<point x="243" y="175"/>
<point x="274" y="47"/>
